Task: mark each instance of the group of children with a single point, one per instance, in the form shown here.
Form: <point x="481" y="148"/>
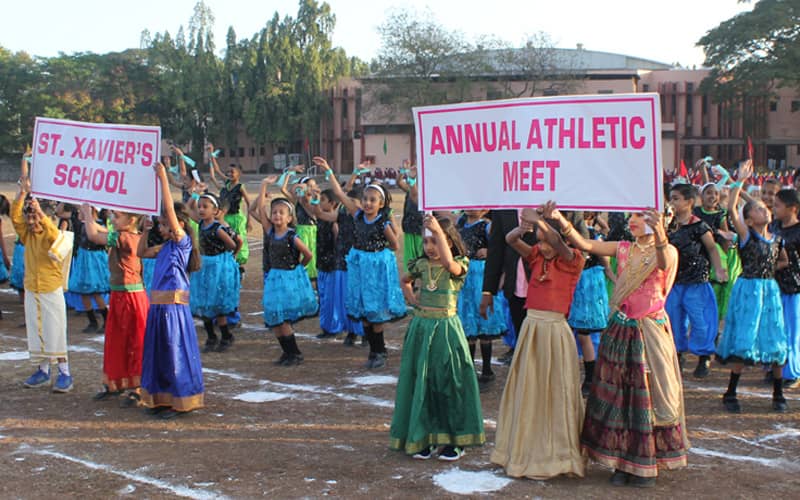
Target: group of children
<point x="690" y="273"/>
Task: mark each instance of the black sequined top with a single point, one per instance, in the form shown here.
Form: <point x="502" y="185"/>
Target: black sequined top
<point x="759" y="256"/>
<point x="412" y="217"/>
<point x="475" y="235"/>
<point x="618" y="227"/>
<point x="789" y="278"/>
<point x="326" y="246"/>
<point x="232" y="195"/>
<point x="210" y="242"/>
<point x="154" y="237"/>
<point x="693" y="260"/>
<point x="281" y="251"/>
<point x="344" y="238"/>
<point x="593" y="260"/>
<point x="369" y="235"/>
<point x="303" y="217"/>
<point x="714" y="220"/>
<point x="81" y="238"/>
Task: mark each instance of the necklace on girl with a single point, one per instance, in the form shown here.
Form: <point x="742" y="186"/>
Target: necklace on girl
<point x="433" y="284"/>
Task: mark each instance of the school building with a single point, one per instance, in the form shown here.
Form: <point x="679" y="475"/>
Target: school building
<point x="366" y="125"/>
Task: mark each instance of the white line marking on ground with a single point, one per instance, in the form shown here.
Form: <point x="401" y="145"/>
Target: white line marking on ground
<point x="778" y="463"/>
<point x="179" y="490"/>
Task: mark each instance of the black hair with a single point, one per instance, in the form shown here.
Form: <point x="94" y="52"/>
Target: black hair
<point x="288" y="204"/>
<point x="457" y="247"/>
<point x="789" y="198"/>
<point x="748" y="207"/>
<point x="329" y="193"/>
<point x="771" y="180"/>
<point x="183" y="216"/>
<point x="796" y="175"/>
<point x="686" y="190"/>
<point x="387" y="197"/>
<point x="5" y="206"/>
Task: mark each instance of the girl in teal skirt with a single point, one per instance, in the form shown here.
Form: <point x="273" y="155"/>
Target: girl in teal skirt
<point x="437" y="402"/>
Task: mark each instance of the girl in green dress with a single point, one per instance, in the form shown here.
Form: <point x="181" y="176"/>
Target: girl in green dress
<point x="437" y="402"/>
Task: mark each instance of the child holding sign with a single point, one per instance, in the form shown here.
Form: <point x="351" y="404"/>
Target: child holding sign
<point x="124" y="340"/>
<point x="172" y="374"/>
<point x="539" y="424"/>
<point x="45" y="309"/>
<point x="437" y="402"/>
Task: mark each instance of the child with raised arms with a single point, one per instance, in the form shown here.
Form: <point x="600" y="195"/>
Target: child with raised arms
<point x="215" y="287"/>
<point x="437" y="402"/>
<point x="127" y="306"/>
<point x="754" y="330"/>
<point x="288" y="294"/>
<point x="373" y="291"/>
<point x="539" y="423"/>
<point x="172" y="371"/>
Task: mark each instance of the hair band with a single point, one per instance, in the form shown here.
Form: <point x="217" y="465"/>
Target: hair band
<point x="706" y="186"/>
<point x="211" y="198"/>
<point x="285" y="202"/>
<point x="378" y="188"/>
<point x="303" y="180"/>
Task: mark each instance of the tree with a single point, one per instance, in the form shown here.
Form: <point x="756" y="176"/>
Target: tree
<point x="21" y="99"/>
<point x="754" y="51"/>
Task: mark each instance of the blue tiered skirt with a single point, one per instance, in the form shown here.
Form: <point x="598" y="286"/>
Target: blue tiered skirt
<point x="332" y="287"/>
<point x="172" y="372"/>
<point x="148" y="267"/>
<point x="17" y="278"/>
<point x="469" y="305"/>
<point x="75" y="302"/>
<point x="214" y="289"/>
<point x="791" y="320"/>
<point x="589" y="310"/>
<point x="373" y="286"/>
<point x="89" y="273"/>
<point x="288" y="296"/>
<point x="754" y="330"/>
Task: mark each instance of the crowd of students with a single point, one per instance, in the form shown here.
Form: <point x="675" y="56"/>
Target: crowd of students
<point x="637" y="291"/>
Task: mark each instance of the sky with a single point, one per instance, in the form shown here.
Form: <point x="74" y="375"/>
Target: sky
<point x="661" y="31"/>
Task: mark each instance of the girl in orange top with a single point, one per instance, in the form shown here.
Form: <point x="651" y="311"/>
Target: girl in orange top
<point x="538" y="429"/>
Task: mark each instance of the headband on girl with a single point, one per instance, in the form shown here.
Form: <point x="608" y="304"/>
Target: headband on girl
<point x="285" y="202"/>
<point x="211" y="198"/>
<point x="706" y="186"/>
<point x="377" y="188"/>
<point x="303" y="180"/>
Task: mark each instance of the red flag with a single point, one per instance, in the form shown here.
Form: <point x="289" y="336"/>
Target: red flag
<point x="749" y="149"/>
<point x="683" y="172"/>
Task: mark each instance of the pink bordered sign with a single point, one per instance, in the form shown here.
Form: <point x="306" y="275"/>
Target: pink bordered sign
<point x="105" y="165"/>
<point x="594" y="153"/>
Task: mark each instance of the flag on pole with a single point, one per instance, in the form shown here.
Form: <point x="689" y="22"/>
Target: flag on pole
<point x="683" y="172"/>
<point x="749" y="148"/>
<point x="385" y="146"/>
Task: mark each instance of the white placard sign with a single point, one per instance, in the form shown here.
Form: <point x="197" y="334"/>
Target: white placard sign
<point x="105" y="165"/>
<point x="594" y="153"/>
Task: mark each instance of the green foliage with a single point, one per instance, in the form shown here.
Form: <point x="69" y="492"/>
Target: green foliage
<point x="271" y="85"/>
<point x="754" y="51"/>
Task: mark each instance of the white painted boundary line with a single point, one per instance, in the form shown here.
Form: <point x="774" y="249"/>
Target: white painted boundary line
<point x="179" y="490"/>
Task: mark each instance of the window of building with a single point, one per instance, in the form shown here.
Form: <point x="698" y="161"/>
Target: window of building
<point x="241" y="152"/>
<point x="493" y="94"/>
<point x="605" y="91"/>
<point x="795" y="106"/>
<point x="233" y="153"/>
<point x="773" y="105"/>
<point x="689" y="87"/>
<point x="252" y="151"/>
<point x="262" y="151"/>
<point x="646" y="87"/>
<point x="550" y="92"/>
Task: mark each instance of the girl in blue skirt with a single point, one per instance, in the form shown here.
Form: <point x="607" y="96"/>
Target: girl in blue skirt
<point x="373" y="284"/>
<point x="474" y="231"/>
<point x="589" y="312"/>
<point x="5" y="263"/>
<point x="754" y="329"/>
<point x="785" y="207"/>
<point x="172" y="372"/>
<point x="215" y="287"/>
<point x="288" y="294"/>
<point x="89" y="276"/>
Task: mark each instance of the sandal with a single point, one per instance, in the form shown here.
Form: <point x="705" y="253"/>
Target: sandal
<point x="130" y="400"/>
<point x="105" y="394"/>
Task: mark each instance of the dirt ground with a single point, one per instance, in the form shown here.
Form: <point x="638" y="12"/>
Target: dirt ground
<point x="321" y="429"/>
